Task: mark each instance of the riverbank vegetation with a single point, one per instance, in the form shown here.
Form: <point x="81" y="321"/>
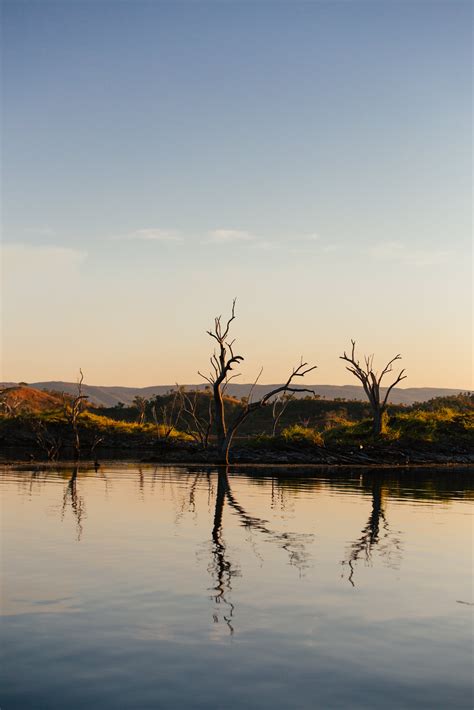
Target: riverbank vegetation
<point x="178" y="427"/>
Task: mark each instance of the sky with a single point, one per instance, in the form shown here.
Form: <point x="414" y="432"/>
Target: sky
<point x="311" y="159"/>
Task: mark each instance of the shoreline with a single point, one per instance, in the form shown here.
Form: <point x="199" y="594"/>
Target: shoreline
<point x="91" y="464"/>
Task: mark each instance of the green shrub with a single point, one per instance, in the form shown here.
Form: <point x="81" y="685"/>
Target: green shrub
<point x="445" y="425"/>
<point x="297" y="434"/>
<point x="349" y="433"/>
<point x="261" y="441"/>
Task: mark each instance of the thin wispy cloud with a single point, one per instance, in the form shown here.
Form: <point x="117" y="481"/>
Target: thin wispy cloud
<point x="229" y="236"/>
<point x="399" y="252"/>
<point x="149" y="235"/>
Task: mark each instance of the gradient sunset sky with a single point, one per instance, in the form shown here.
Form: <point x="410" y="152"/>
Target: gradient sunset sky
<point x="312" y="159"/>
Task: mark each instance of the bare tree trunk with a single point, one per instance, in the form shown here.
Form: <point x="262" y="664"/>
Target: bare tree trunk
<point x="378" y="420"/>
<point x="221" y="432"/>
<point x="224" y="448"/>
<point x="76" y="408"/>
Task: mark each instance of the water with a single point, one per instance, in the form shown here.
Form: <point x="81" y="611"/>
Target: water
<point x="164" y="587"/>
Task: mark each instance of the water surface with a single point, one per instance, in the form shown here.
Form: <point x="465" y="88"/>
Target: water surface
<point x="169" y="587"/>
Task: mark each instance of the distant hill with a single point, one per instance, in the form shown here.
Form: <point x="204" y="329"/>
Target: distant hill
<point x="110" y="396"/>
<point x="22" y="398"/>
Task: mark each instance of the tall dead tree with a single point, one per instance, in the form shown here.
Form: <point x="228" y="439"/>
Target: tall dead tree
<point x="223" y="360"/>
<point x="371" y="382"/>
<point x="73" y="410"/>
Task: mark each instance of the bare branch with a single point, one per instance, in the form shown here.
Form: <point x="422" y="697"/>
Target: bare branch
<point x="249" y="396"/>
<point x="299" y="371"/>
<point x="400" y="377"/>
<point x="204" y="377"/>
<point x="228" y="379"/>
<point x="232" y="317"/>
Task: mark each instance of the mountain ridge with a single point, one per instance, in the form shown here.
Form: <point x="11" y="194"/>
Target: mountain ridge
<point x="109" y="396"/>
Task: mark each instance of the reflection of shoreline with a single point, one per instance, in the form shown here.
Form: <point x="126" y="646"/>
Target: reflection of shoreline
<point x="347" y="456"/>
<point x="439" y="478"/>
<point x="444" y="469"/>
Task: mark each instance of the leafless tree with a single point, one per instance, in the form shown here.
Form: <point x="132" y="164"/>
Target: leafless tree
<point x="140" y="404"/>
<point x="168" y="416"/>
<point x="371" y="382"/>
<point x="222" y="362"/>
<point x="197" y="425"/>
<point x="47" y="441"/>
<point x="73" y="410"/>
<point x="9" y="403"/>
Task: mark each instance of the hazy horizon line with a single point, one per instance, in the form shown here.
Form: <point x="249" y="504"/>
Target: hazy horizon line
<point x="234" y="384"/>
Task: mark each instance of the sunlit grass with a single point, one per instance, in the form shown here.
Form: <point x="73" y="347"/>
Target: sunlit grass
<point x="416" y="426"/>
<point x="442" y="423"/>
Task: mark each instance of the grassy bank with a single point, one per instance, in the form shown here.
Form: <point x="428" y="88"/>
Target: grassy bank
<point x="308" y="431"/>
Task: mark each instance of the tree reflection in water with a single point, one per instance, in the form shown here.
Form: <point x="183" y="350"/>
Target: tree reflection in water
<point x="375" y="534"/>
<point x="221" y="568"/>
<point x="77" y="502"/>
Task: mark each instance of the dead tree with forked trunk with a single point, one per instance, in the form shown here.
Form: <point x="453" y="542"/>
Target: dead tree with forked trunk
<point x="371" y="382"/>
<point x="223" y="360"/>
<point x="73" y="410"/>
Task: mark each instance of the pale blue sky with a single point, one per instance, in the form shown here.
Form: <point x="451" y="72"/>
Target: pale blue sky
<point x="311" y="158"/>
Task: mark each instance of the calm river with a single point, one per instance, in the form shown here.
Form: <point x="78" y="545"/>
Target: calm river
<point x="144" y="587"/>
